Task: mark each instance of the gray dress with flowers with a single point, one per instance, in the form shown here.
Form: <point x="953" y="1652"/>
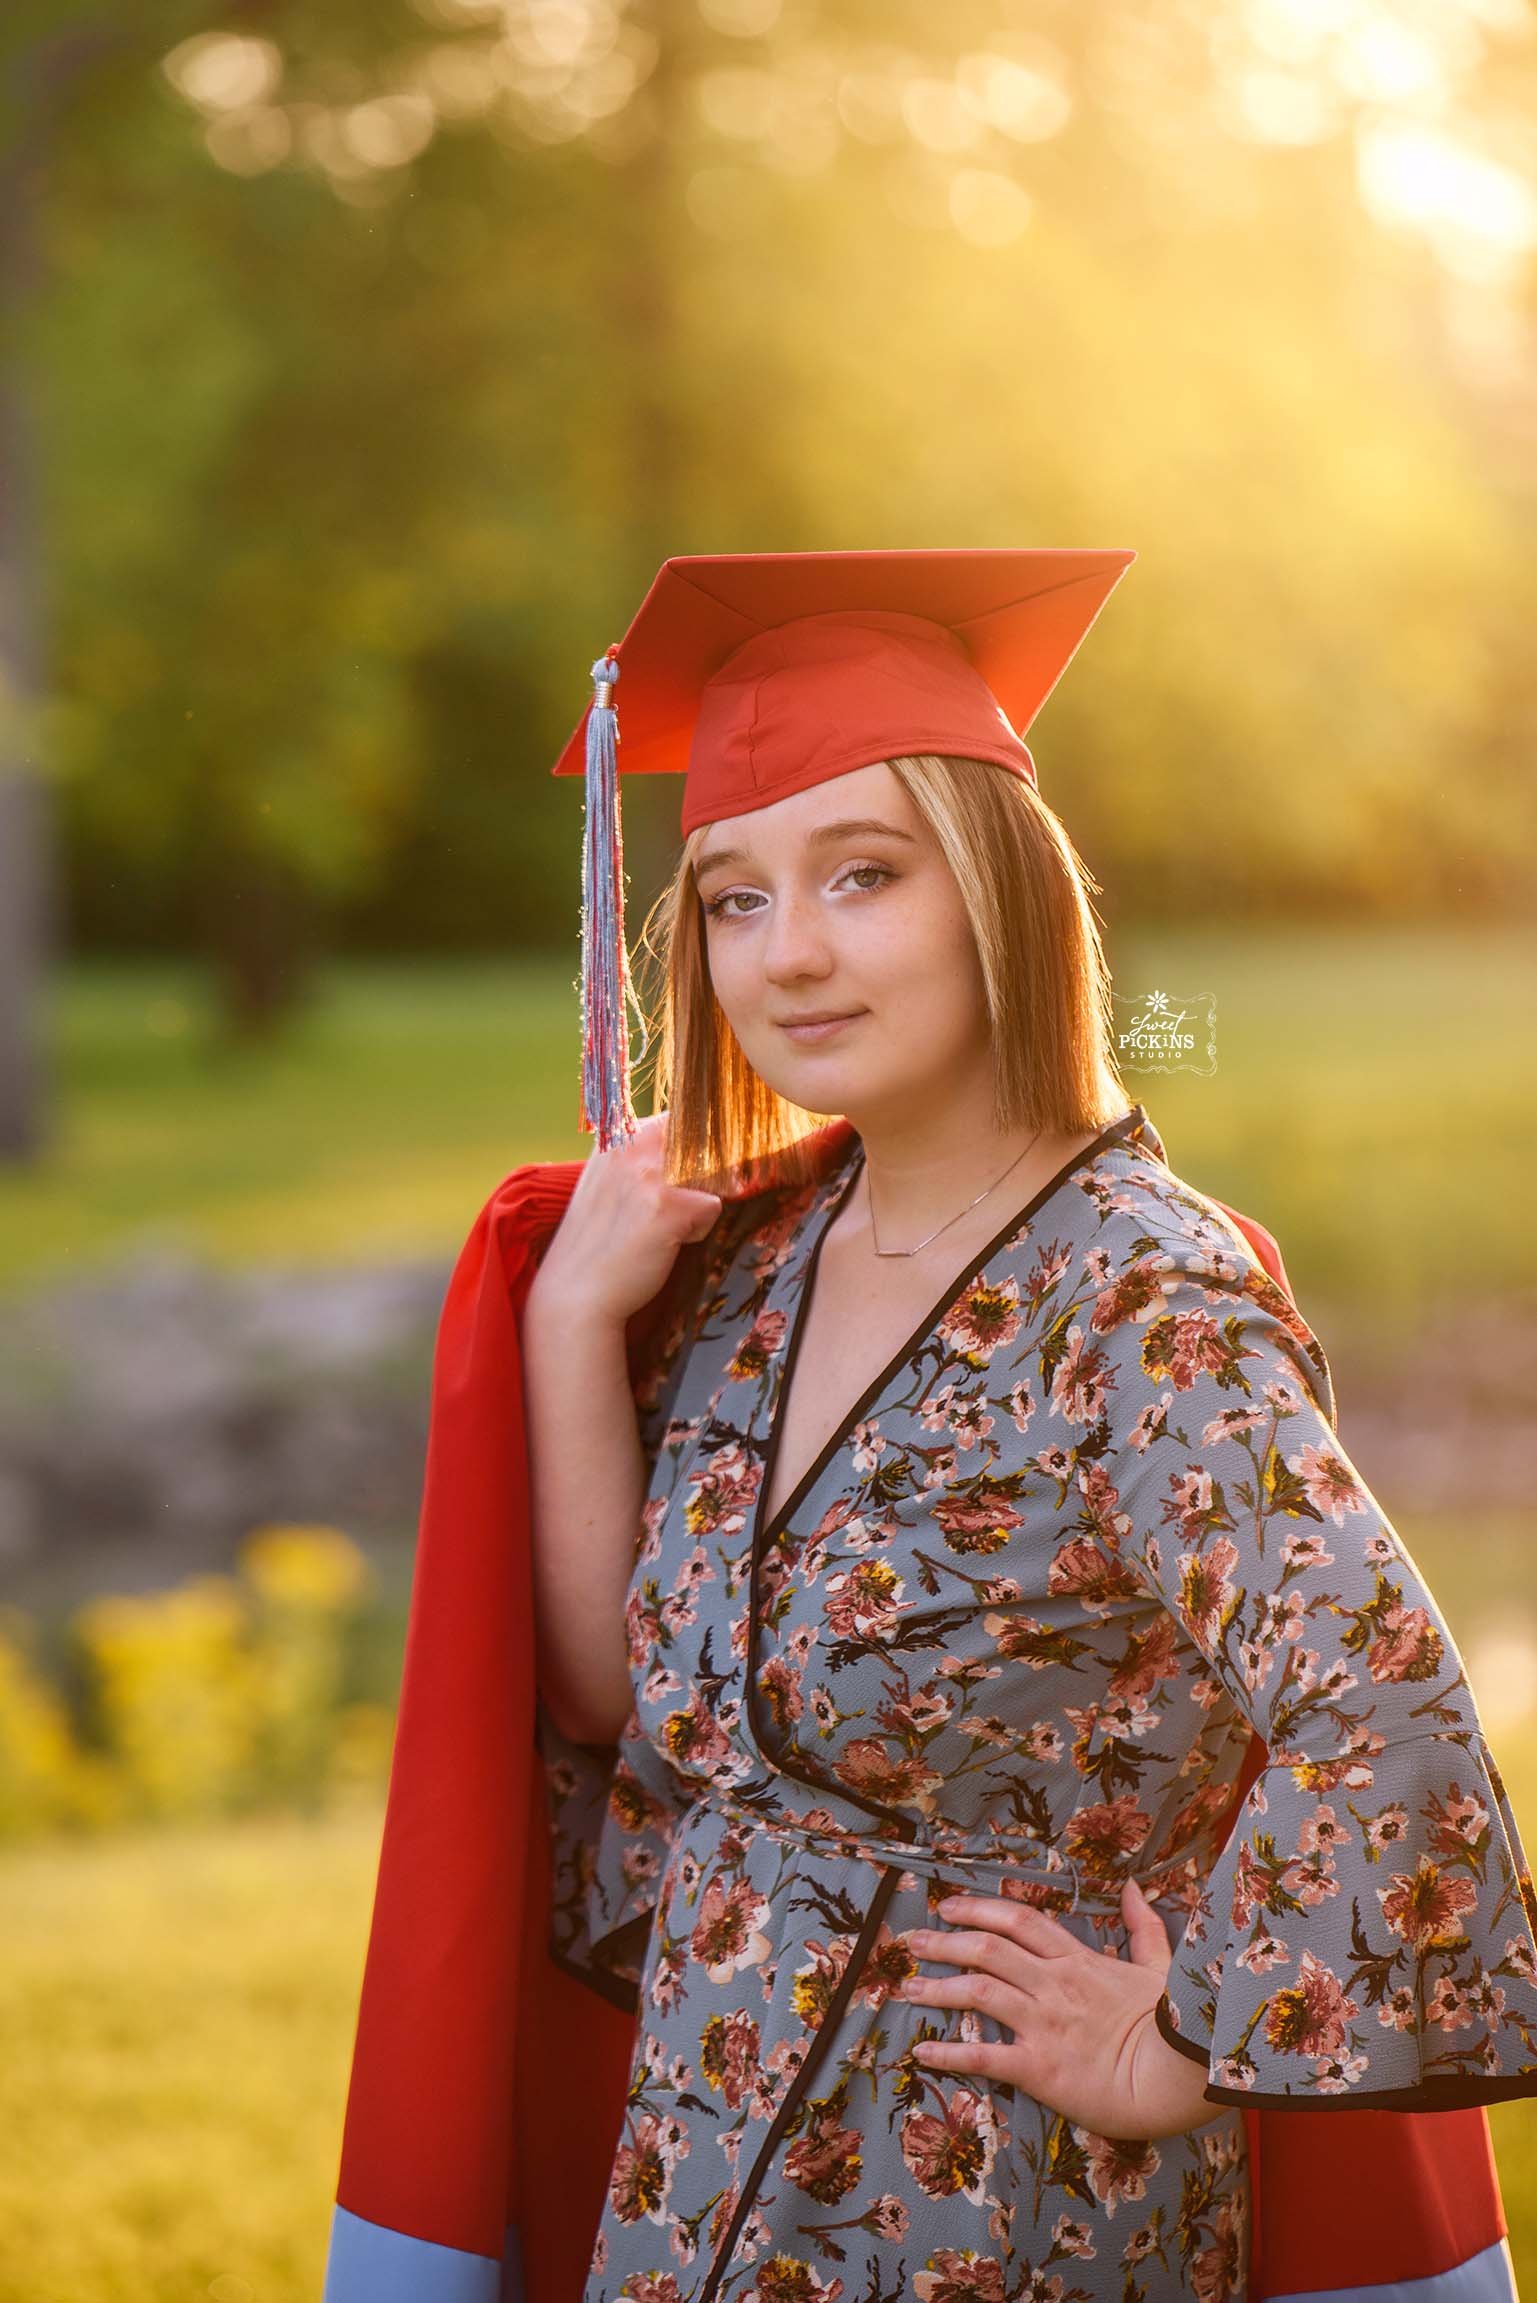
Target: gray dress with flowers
<point x="1014" y="1632"/>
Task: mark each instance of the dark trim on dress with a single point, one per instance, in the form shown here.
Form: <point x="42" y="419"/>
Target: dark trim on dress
<point x="1451" y="2091"/>
<point x="795" y="2093"/>
<point x="613" y="1988"/>
<point x="760" y="1727"/>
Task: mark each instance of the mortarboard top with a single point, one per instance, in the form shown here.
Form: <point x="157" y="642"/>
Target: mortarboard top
<point x="757" y="674"/>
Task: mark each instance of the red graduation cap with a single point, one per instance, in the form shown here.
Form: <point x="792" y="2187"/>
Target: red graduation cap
<point x="758" y="674"/>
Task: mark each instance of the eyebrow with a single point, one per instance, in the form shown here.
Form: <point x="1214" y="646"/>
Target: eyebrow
<point x="851" y="827"/>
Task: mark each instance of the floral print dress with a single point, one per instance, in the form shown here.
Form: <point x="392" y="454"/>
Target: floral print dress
<point x="1014" y="1632"/>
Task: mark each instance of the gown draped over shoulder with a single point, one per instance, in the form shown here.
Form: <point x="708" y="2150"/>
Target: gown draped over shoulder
<point x="1011" y="1633"/>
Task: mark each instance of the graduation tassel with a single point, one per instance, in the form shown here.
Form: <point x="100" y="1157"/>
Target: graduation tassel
<point x="607" y="990"/>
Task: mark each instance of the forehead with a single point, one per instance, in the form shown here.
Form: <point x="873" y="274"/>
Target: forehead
<point x="864" y="803"/>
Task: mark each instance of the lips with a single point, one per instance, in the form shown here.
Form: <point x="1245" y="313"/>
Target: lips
<point x="808" y="1030"/>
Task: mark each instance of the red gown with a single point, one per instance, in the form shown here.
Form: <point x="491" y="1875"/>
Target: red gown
<point x="487" y="2082"/>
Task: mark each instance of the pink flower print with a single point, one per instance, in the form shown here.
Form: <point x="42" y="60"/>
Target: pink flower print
<point x="1409" y="1646"/>
<point x="653" y="2287"/>
<point x="959" y="2275"/>
<point x="1232" y="1423"/>
<point x="981" y="1520"/>
<point x="694" y="1739"/>
<point x="723" y="1494"/>
<point x="1426" y="1907"/>
<point x="1336" y="2073"/>
<point x="728" y="2055"/>
<point x="1118" y="2169"/>
<point x="1079" y="1388"/>
<point x="681" y="1606"/>
<point x="1400" y="2009"/>
<point x="952" y="2150"/>
<point x="864" y="1601"/>
<point x="1150" y="1422"/>
<point x="1283" y="1615"/>
<point x="1208" y="1596"/>
<point x="1149" y="1657"/>
<point x="1101" y="1501"/>
<point x="780" y="1686"/>
<point x="1310" y="2016"/>
<point x="825" y="2161"/>
<point x="1254" y="1882"/>
<point x="1320" y="1830"/>
<point x="866" y="1445"/>
<point x="786" y="2279"/>
<point x="1185" y="1345"/>
<point x="888" y="1778"/>
<point x="1098" y="1839"/>
<point x="1264" y="1953"/>
<point x="934" y="1412"/>
<point x="1519" y="1957"/>
<point x="1328" y="1482"/>
<point x="1022" y="1404"/>
<point x="1304" y="1547"/>
<point x="1069" y="2237"/>
<point x="1127" y="1296"/>
<point x="1461" y="1822"/>
<point x="1049" y="1265"/>
<point x="644" y="2166"/>
<point x="1097" y="1579"/>
<point x="1350" y="1770"/>
<point x="1385" y="1829"/>
<point x="982" y="1320"/>
<point x="728" y="1934"/>
<point x="1449" y="2008"/>
<point x="758" y="1347"/>
<point x="1219" y="2272"/>
<point x="1193" y="1504"/>
<point x="919" y="1715"/>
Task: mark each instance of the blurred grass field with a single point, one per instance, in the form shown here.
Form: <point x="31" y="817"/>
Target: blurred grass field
<point x="178" y="2007"/>
<point x="1372" y="1104"/>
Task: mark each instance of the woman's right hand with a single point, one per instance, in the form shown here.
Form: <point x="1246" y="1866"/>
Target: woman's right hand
<point x="619" y="1237"/>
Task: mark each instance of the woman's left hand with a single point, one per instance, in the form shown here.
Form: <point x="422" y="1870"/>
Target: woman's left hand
<point x="1085" y="2042"/>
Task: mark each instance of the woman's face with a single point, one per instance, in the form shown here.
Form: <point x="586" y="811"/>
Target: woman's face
<point x="838" y="901"/>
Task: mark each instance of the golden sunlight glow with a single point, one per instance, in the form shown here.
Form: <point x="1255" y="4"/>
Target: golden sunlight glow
<point x="1028" y="101"/>
<point x="223" y="71"/>
<point x="1480" y="217"/>
<point x="987" y="208"/>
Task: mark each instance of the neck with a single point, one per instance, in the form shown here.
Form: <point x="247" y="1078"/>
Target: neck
<point x="926" y="1170"/>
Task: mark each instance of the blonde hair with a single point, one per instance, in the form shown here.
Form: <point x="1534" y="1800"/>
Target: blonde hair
<point x="1047" y="984"/>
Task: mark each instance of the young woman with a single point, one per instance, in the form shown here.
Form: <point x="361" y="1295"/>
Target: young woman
<point x="991" y="1503"/>
<point x="892" y="1615"/>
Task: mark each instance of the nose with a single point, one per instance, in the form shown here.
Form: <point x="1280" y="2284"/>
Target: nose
<point x="796" y="945"/>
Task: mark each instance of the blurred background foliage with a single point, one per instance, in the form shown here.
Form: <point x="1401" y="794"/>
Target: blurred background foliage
<point x="359" y="365"/>
<point x="373" y="358"/>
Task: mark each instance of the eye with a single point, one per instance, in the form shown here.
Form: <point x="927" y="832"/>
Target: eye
<point x="715" y="906"/>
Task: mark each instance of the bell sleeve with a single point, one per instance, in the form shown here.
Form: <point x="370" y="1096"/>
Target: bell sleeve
<point x="610" y="1837"/>
<point x="613" y="1807"/>
<point x="1368" y="1933"/>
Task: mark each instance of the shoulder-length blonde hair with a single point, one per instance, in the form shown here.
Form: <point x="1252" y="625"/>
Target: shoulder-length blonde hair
<point x="1043" y="966"/>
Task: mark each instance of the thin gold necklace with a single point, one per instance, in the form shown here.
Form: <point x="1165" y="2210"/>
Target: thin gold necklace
<point x="966" y="1210"/>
